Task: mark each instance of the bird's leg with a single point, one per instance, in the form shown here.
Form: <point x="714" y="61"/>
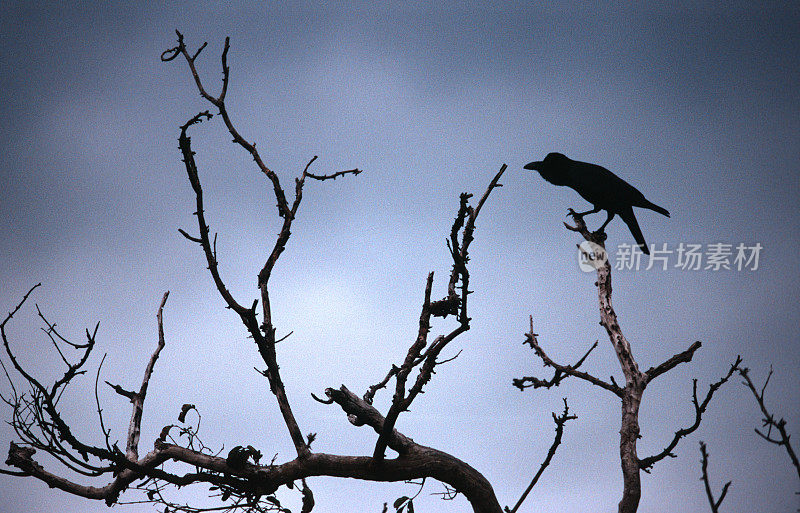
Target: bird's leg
<point x="608" y="220"/>
<point x="581" y="214"/>
<point x="600" y="232"/>
<point x="578" y="217"/>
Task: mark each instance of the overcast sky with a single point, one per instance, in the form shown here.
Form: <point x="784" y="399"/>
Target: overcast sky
<point x="696" y="105"/>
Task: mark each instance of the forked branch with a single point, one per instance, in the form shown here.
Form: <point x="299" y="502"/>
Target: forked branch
<point x="561" y="371"/>
<point x="420" y="354"/>
<point x="263" y="334"/>
<point x="636" y="381"/>
<point x="769" y="420"/>
<point x="714" y="503"/>
<point x="699" y="409"/>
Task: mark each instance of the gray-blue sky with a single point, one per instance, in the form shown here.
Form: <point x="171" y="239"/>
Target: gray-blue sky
<point x="696" y="105"/>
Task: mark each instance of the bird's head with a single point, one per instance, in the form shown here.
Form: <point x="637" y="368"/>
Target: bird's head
<point x="553" y="168"/>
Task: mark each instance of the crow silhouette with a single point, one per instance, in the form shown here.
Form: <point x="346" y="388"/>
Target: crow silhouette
<point x="600" y="187"/>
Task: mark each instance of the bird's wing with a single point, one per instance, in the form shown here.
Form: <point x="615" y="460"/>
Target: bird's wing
<point x="602" y="188"/>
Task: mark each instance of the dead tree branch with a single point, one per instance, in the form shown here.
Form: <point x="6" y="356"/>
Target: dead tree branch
<point x="419" y="353"/>
<point x="635" y="380"/>
<point x="240" y="480"/>
<point x="714" y="503"/>
<point x="769" y="421"/>
<point x="561" y="371"/>
<point x="36" y="418"/>
<point x="134" y="432"/>
<point x="263" y="334"/>
<point x="252" y="481"/>
<point x="683" y="357"/>
<point x="422" y="461"/>
<point x="40" y="425"/>
<point x="699" y="408"/>
<point x="560" y="420"/>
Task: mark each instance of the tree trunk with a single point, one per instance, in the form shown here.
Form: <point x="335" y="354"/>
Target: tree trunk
<point x="635" y="383"/>
<point x="628" y="435"/>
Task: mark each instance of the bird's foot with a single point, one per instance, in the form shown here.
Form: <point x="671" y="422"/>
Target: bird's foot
<point x="575" y="215"/>
<point x="580" y="225"/>
<point x="599" y="235"/>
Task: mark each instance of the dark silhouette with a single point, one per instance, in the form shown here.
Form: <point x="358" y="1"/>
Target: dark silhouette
<point x="600" y="187"/>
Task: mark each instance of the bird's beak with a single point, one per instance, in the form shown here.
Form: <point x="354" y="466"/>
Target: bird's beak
<point x="533" y="165"/>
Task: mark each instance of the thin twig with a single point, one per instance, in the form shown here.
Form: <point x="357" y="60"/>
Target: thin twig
<point x="714" y="503"/>
<point x="769" y="419"/>
<point x="699" y="409"/>
<point x="561" y="371"/>
<point x="560" y="420"/>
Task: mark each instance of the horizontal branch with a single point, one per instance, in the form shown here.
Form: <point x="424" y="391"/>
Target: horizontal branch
<point x="561" y="371"/>
<point x="334" y="175"/>
<point x="416" y="462"/>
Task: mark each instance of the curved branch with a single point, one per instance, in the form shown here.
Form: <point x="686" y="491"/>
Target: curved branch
<point x="185" y="145"/>
<point x="441" y="466"/>
<point x="699" y="409"/>
<point x="219" y="103"/>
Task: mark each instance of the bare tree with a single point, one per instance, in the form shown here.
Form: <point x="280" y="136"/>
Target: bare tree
<point x="632" y="392"/>
<point x="240" y="480"/>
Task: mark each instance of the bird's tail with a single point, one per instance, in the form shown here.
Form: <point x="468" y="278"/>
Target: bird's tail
<point x="652" y="206"/>
<point x="633" y="226"/>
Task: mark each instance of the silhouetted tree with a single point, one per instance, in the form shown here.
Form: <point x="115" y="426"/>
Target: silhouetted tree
<point x="240" y="479"/>
<point x="632" y="392"/>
